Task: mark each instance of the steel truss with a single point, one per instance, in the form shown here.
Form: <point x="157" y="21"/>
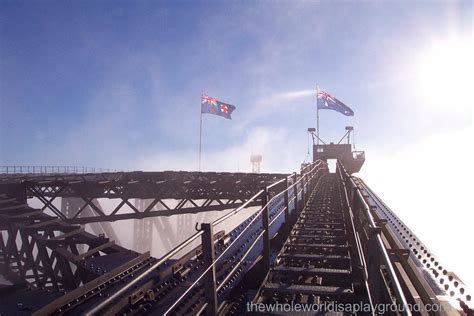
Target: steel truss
<point x="49" y="253"/>
<point x="314" y="238"/>
<point x="160" y="287"/>
<point x="170" y="192"/>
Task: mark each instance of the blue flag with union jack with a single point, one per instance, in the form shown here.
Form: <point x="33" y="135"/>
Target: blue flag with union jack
<point x="328" y="102"/>
<point x="213" y="106"/>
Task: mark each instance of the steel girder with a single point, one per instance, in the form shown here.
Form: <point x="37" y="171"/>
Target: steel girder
<point x="170" y="192"/>
<point x="47" y="252"/>
<point x="70" y="206"/>
<point x="149" y="185"/>
<point x="159" y="286"/>
<point x="142" y="231"/>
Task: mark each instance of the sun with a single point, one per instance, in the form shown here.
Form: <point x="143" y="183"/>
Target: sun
<point x="444" y="73"/>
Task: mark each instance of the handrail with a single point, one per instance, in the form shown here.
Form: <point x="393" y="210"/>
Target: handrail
<point x="13" y="170"/>
<point x="122" y="290"/>
<point x="185" y="243"/>
<point x="255" y="216"/>
<point x="284" y="208"/>
<point x="388" y="263"/>
<point x="276" y="183"/>
<point x="433" y="277"/>
<point x="237" y="266"/>
<point x="358" y="244"/>
<point x="240" y="208"/>
<point x="386" y="259"/>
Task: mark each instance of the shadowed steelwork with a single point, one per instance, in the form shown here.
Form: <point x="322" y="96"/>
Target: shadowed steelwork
<point x="170" y="192"/>
<point x="315" y="237"/>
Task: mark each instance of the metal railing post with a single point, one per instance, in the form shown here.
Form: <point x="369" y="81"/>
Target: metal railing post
<point x="374" y="264"/>
<point x="313" y="179"/>
<point x="266" y="231"/>
<point x="210" y="278"/>
<point x="303" y="191"/>
<point x="295" y="190"/>
<point x="286" y="202"/>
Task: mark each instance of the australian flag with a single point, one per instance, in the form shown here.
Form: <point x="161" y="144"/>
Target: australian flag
<point x="213" y="106"/>
<point x="327" y="101"/>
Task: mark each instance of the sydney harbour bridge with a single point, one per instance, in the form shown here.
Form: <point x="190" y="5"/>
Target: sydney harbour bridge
<point x="311" y="237"/>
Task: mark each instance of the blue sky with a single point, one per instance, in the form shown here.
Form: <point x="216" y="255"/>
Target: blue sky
<point x="117" y="84"/>
<point x="106" y="83"/>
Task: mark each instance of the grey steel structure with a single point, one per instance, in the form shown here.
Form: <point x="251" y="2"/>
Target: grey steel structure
<point x="312" y="237"/>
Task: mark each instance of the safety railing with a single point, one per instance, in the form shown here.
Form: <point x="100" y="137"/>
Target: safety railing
<point x="356" y="239"/>
<point x="426" y="272"/>
<point x="375" y="252"/>
<point x="358" y="154"/>
<point x="51" y="170"/>
<point x="283" y="192"/>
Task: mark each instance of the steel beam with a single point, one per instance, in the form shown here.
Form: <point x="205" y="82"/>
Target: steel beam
<point x="47" y="252"/>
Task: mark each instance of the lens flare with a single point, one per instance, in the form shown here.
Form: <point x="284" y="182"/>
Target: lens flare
<point x="445" y="75"/>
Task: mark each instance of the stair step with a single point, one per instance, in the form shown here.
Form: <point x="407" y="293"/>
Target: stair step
<point x="319" y="229"/>
<point x="308" y="289"/>
<point x="316" y="222"/>
<point x="319" y="237"/>
<point x="312" y="256"/>
<point x="343" y="246"/>
<point x="301" y="270"/>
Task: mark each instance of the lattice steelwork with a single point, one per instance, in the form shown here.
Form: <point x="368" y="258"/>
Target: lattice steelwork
<point x="171" y="192"/>
<point x="49" y="253"/>
<point x="310" y="237"/>
<point x="142" y="230"/>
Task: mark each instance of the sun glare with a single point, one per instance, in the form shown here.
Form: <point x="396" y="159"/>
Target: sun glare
<point x="445" y="74"/>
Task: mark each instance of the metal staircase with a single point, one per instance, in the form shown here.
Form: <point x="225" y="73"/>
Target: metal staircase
<point x="316" y="264"/>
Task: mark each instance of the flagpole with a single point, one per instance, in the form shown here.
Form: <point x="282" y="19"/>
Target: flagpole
<point x="200" y="132"/>
<point x="317" y="115"/>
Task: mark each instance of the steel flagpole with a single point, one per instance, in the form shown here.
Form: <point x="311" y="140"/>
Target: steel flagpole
<point x="317" y="115"/>
<point x="200" y="132"/>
